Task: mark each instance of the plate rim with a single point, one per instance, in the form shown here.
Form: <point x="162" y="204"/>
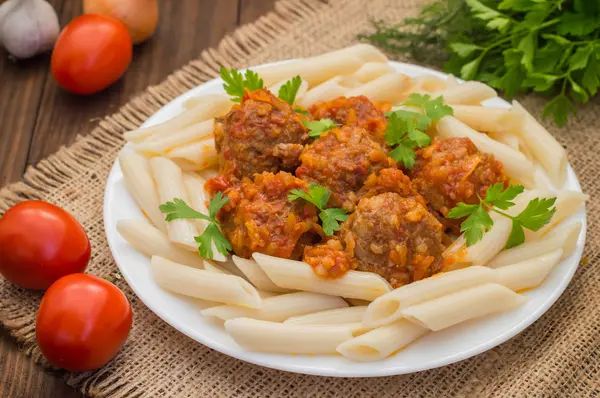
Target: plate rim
<point x="248" y="356"/>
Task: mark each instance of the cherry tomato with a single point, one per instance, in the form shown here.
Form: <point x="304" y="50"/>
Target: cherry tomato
<point x="40" y="243"/>
<point x="91" y="53"/>
<point x="82" y="322"/>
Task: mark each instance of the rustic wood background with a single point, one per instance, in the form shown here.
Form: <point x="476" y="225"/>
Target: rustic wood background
<point x="37" y="117"/>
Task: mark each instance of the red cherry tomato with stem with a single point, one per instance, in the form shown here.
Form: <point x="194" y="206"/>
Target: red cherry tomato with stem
<point x="82" y="322"/>
<point x="40" y="243"/>
<point x="91" y="53"/>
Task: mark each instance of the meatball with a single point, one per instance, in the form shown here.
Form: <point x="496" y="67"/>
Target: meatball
<point x="394" y="237"/>
<point x="452" y="170"/>
<point x="341" y="160"/>
<point x="259" y="217"/>
<point x="329" y="260"/>
<point x="390" y="180"/>
<point x="262" y="133"/>
<point x="354" y="111"/>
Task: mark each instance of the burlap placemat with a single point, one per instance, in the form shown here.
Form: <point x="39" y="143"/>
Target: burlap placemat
<point x="557" y="356"/>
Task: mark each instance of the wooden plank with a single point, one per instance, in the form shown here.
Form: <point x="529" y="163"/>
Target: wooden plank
<point x="251" y="10"/>
<point x="185" y="29"/>
<point x="21" y="378"/>
<point x="21" y="86"/>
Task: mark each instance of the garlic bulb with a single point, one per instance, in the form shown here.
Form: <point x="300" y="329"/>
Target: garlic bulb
<point x="27" y="27"/>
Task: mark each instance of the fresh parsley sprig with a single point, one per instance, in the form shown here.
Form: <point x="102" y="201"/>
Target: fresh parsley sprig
<point x="289" y="90"/>
<point x="319" y="196"/>
<point x="178" y="209"/>
<point x="318" y="127"/>
<point x="538" y="213"/>
<point x="235" y="82"/>
<point x="405" y="130"/>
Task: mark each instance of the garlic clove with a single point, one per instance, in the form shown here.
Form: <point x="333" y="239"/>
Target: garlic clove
<point x="28" y="27"/>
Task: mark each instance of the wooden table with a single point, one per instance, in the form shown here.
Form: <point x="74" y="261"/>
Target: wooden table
<point x="37" y="117"/>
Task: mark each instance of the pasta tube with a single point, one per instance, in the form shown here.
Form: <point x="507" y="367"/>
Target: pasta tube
<point x="169" y="180"/>
<point x="564" y="237"/>
<point x="391" y="88"/>
<point x="297" y="275"/>
<point x="202" y="284"/>
<point x="205" y="111"/>
<point x="382" y="342"/>
<point x="194" y="187"/>
<point x="388" y="308"/>
<point x="140" y="184"/>
<point x="177" y="138"/>
<point x="469" y="93"/>
<point x="372" y="70"/>
<point x="544" y="146"/>
<point x="203" y="100"/>
<point x="462" y="306"/>
<point x="150" y="241"/>
<point x="427" y="84"/>
<point x="279" y="308"/>
<point x="197" y="155"/>
<point x="330" y="317"/>
<point x="488" y="120"/>
<point x="325" y="91"/>
<point x="529" y="273"/>
<point x="287" y="338"/>
<point x="515" y="163"/>
<point x="257" y="276"/>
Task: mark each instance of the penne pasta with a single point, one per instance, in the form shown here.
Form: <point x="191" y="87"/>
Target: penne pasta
<point x="257" y="276"/>
<point x="206" y="110"/>
<point x="325" y="91"/>
<point x="498" y="121"/>
<point x="196" y="155"/>
<point x="382" y="342"/>
<point x="203" y="284"/>
<point x="194" y="187"/>
<point x="366" y="52"/>
<point x="388" y="308"/>
<point x="462" y="306"/>
<point x="567" y="203"/>
<point x="140" y="184"/>
<point x="372" y="70"/>
<point x="297" y="275"/>
<point x="427" y="84"/>
<point x="563" y="236"/>
<point x="357" y="302"/>
<point x="148" y="240"/>
<point x="288" y="338"/>
<point x="177" y="138"/>
<point x="543" y="145"/>
<point x="390" y="88"/>
<point x="510" y="140"/>
<point x="451" y="82"/>
<point x="169" y="180"/>
<point x="515" y="164"/>
<point x="279" y="308"/>
<point x="529" y="273"/>
<point x="330" y="317"/>
<point x="211" y="267"/>
<point x="468" y="93"/>
<point x="493" y="241"/>
<point x="299" y="94"/>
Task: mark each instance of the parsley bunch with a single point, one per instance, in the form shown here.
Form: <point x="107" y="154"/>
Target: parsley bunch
<point x="178" y="209"/>
<point x="547" y="46"/>
<point x="538" y="213"/>
<point x="319" y="196"/>
<point x="406" y="129"/>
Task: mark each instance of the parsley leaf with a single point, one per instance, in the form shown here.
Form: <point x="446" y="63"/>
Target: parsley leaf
<point x="178" y="209"/>
<point x="318" y="127"/>
<point x="319" y="196"/>
<point x="288" y="91"/>
<point x="538" y="213"/>
<point x="235" y="83"/>
<point x="302" y="111"/>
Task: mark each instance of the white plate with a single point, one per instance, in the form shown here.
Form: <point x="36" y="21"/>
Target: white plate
<point x="434" y="350"/>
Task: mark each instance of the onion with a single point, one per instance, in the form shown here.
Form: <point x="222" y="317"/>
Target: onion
<point x="140" y="16"/>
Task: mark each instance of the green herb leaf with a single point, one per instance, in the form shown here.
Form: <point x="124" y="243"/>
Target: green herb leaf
<point x="475" y="225"/>
<point x="331" y="219"/>
<point x="288" y="91"/>
<point x="576" y="24"/>
<point x="482" y="11"/>
<point x="437" y="109"/>
<point x="591" y="76"/>
<point x="462" y="210"/>
<point x="580" y="59"/>
<point x="516" y="236"/>
<point x="178" y="209"/>
<point x="559" y="108"/>
<point x="464" y="50"/>
<point x="235" y="82"/>
<point x="319" y="196"/>
<point x="302" y="111"/>
<point x="497" y="196"/>
<point x="469" y="71"/>
<point x="538" y="213"/>
<point x="318" y="127"/>
<point x="405" y="154"/>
